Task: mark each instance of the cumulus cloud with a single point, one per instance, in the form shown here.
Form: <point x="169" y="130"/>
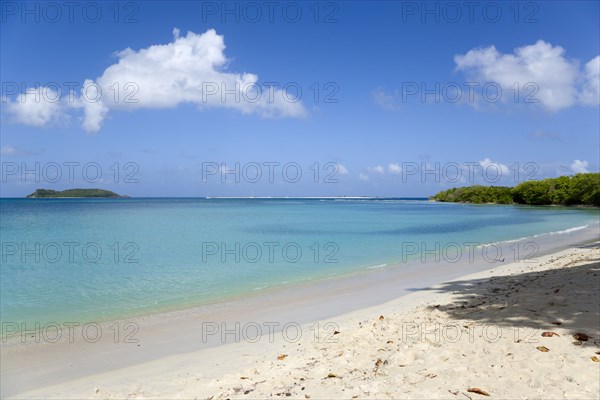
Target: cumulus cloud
<point x="394" y="168"/>
<point x="579" y="167"/>
<point x="342" y="170"/>
<point x="384" y="100"/>
<point x="500" y="169"/>
<point x="7" y="150"/>
<point x="94" y="108"/>
<point x="591" y="89"/>
<point x="378" y="169"/>
<point x="39" y="106"/>
<point x="191" y="69"/>
<point x="558" y="82"/>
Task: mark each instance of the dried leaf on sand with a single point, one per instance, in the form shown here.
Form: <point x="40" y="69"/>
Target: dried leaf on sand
<point x="582" y="337"/>
<point x="478" y="391"/>
<point x="549" y="334"/>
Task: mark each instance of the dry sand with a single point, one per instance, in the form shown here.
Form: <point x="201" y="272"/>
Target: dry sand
<point x="484" y="332"/>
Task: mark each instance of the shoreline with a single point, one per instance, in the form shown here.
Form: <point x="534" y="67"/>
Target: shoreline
<point x="180" y="332"/>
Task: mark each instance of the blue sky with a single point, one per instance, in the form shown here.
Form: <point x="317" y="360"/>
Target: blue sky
<point x="377" y="113"/>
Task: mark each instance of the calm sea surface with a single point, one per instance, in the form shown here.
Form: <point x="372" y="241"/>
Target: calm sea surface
<point x="96" y="259"/>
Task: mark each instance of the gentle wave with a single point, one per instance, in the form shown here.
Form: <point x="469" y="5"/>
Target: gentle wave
<point x="377" y="266"/>
<point x="577" y="228"/>
<point x="562" y="232"/>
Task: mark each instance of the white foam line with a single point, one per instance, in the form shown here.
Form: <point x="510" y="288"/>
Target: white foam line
<point x="377" y="266"/>
<point x="569" y="230"/>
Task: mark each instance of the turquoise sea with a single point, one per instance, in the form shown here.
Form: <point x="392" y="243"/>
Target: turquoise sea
<point x="96" y="259"/>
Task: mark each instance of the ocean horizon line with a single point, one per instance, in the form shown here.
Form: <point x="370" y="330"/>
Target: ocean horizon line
<point x="230" y="197"/>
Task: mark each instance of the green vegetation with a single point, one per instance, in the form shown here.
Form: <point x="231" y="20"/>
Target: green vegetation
<point x="581" y="189"/>
<point x="46" y="193"/>
<point x="476" y="194"/>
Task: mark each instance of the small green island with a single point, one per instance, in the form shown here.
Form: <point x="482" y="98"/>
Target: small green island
<point x="47" y="193"/>
<point x="577" y="190"/>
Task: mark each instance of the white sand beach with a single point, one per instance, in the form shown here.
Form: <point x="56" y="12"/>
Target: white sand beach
<point x="529" y="329"/>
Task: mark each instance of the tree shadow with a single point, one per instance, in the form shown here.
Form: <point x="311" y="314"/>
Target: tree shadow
<point x="567" y="297"/>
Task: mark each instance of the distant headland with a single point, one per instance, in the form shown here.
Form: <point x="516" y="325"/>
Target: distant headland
<point x="47" y="193"/>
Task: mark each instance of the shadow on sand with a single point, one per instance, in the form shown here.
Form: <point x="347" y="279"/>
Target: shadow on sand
<point x="567" y="297"/>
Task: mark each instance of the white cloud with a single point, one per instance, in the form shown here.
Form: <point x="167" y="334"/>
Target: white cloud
<point x="191" y="69"/>
<point x="384" y="100"/>
<point x="591" y="89"/>
<point x="494" y="168"/>
<point x="7" y="150"/>
<point x="363" y="177"/>
<point x="378" y="169"/>
<point x="556" y="77"/>
<point x="342" y="169"/>
<point x="579" y="167"/>
<point x="394" y="168"/>
<point x="94" y="109"/>
<point x="36" y="107"/>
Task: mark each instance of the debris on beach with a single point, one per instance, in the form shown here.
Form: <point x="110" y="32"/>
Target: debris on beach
<point x="549" y="334"/>
<point x="282" y="356"/>
<point x="543" y="349"/>
<point x="478" y="391"/>
<point x="582" y="337"/>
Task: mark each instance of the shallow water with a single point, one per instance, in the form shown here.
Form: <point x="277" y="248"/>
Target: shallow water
<point x="97" y="259"/>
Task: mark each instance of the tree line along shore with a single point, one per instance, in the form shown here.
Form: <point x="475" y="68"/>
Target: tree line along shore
<point x="580" y="189"/>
